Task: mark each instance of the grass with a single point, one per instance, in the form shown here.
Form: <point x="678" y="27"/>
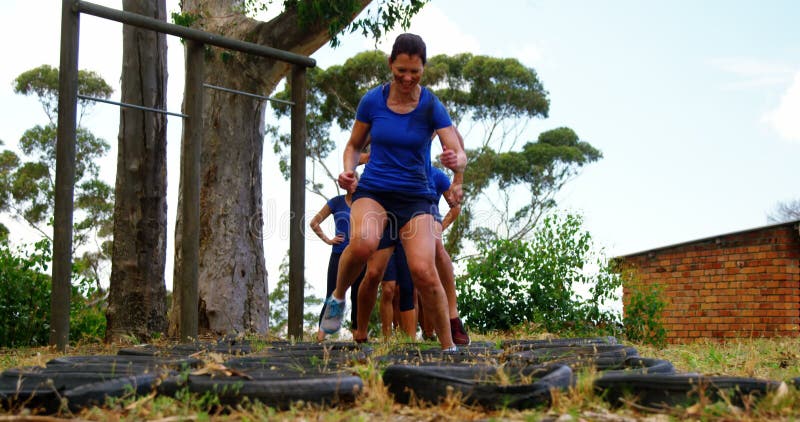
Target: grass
<point x="774" y="359"/>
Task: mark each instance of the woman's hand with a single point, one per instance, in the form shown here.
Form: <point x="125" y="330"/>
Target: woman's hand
<point x="348" y="181"/>
<point x="449" y="159"/>
<point x="454" y="195"/>
<point x="337" y="240"/>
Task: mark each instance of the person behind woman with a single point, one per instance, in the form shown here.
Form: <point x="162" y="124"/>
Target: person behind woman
<point x="339" y="207"/>
<point x="400" y="118"/>
<point x="388" y="264"/>
<point x="444" y="265"/>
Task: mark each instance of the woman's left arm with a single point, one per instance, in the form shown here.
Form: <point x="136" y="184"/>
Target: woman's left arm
<point x="453" y="157"/>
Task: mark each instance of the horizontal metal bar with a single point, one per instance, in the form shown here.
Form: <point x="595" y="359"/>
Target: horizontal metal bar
<point x="247" y="94"/>
<point x="192" y="34"/>
<point x="126" y="105"/>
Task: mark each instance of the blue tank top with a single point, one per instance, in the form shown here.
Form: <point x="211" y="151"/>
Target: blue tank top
<point x="400" y="154"/>
<point x="341" y="218"/>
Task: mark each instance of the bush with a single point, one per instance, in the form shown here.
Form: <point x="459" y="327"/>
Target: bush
<point x="643" y="314"/>
<point x="514" y="282"/>
<point x="24" y="296"/>
<point x="25" y="288"/>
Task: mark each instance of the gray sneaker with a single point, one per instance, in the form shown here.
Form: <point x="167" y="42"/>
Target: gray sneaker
<point x="332" y="318"/>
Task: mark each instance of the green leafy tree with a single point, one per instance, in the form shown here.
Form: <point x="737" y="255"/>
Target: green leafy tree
<point x="279" y="304"/>
<point x="27" y="182"/>
<point x="517" y="281"/>
<point x="25" y="288"/>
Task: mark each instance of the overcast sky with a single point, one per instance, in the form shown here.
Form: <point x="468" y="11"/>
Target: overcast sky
<point x="694" y="104"/>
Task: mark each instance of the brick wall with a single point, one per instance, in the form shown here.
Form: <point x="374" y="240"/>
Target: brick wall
<point x="744" y="284"/>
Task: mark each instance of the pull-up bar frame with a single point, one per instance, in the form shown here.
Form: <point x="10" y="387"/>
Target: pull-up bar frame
<point x="128" y="105"/>
<point x="187" y="282"/>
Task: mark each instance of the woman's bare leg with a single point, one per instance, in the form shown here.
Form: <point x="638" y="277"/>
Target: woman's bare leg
<point x="367" y="220"/>
<point x="419" y="242"/>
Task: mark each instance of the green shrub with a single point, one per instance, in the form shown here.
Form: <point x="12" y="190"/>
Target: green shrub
<point x="643" y="314"/>
<point x="24" y="295"/>
<point x="514" y="282"/>
<point x="25" y="288"/>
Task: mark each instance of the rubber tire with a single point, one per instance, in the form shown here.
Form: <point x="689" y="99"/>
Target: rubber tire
<point x="634" y="365"/>
<point x="432" y="384"/>
<point x="279" y="391"/>
<point x="573" y="354"/>
<point x="557" y="342"/>
<point x="129" y="360"/>
<point x="458" y="357"/>
<point x="669" y="390"/>
<point x="96" y="394"/>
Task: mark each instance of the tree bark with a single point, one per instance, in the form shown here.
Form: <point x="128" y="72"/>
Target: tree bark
<point x="137" y="294"/>
<point x="232" y="274"/>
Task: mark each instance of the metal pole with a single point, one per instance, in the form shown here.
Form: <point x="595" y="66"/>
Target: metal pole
<point x="190" y="211"/>
<point x="247" y="94"/>
<point x="297" y="203"/>
<point x="193" y="34"/>
<point x="128" y="105"/>
<point x="65" y="176"/>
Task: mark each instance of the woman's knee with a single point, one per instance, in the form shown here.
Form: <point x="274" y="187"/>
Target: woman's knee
<point x="387" y="292"/>
<point x="424" y="275"/>
<point x="361" y="251"/>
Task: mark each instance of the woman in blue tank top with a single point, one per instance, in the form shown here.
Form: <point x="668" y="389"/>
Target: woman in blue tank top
<point x="394" y="192"/>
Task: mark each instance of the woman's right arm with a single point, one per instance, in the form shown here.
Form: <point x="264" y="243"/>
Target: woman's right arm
<point x="352" y="152"/>
<point x="319" y="218"/>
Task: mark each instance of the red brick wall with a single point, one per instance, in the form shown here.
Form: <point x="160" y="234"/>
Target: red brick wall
<point x="744" y="284"/>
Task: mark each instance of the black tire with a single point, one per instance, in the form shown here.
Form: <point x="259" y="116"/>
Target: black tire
<point x="300" y="365"/>
<point x="634" y="365"/>
<point x="37" y="388"/>
<point x="516" y="345"/>
<point x="303" y="358"/>
<point x="575" y="355"/>
<point x="96" y="394"/>
<point x="89" y="368"/>
<point x="278" y="392"/>
<point x="668" y="390"/>
<point x="491" y="356"/>
<point x="38" y="378"/>
<point x="475" y="384"/>
<point x="129" y="360"/>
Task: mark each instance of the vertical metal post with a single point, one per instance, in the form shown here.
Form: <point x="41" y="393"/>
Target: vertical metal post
<point x="65" y="176"/>
<point x="298" y="203"/>
<point x="190" y="211"/>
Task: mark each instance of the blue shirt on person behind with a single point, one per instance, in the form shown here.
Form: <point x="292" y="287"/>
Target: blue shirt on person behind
<point x="440" y="182"/>
<point x="341" y="218"/>
<point x="400" y="155"/>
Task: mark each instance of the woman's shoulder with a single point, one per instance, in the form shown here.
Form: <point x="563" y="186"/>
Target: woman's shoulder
<point x="336" y="201"/>
<point x="376" y="91"/>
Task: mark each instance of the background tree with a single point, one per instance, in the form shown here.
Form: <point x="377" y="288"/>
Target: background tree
<point x="785" y="211"/>
<point x="232" y="274"/>
<point x="27" y="183"/>
<point x="137" y="295"/>
<point x="540" y="280"/>
<point x="493" y="101"/>
<point x="279" y="304"/>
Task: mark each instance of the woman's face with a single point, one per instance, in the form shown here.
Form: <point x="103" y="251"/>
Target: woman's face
<point x="407" y="71"/>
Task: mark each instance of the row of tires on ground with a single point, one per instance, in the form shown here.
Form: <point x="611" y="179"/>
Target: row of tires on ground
<point x="520" y="374"/>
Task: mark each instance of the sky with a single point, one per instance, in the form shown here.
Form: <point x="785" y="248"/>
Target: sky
<point x="694" y="105"/>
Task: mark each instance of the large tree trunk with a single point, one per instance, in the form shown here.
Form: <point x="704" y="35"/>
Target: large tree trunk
<point x="137" y="299"/>
<point x="232" y="274"/>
